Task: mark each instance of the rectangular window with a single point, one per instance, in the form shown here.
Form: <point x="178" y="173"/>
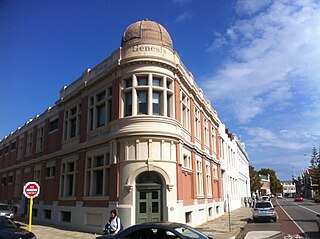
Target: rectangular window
<point x="47" y="214"/>
<point x="187" y="162"/>
<point x="156" y="81"/>
<point x="101" y="115"/>
<point x="97" y="175"/>
<point x="13" y="146"/>
<point x="197" y="123"/>
<point x="128" y="103"/>
<point x="142" y="80"/>
<point x="199" y="178"/>
<point x="29" y="143"/>
<point x="156" y="101"/>
<point x="142" y="102"/>
<point x="209" y="180"/>
<point x="68" y="179"/>
<point x="53" y="125"/>
<point x="40" y="139"/>
<point x="65" y="216"/>
<point x="100" y="111"/>
<point x="128" y="83"/>
<point x="185" y="108"/>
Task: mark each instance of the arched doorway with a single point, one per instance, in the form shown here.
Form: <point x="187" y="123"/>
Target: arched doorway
<point x="148" y="197"/>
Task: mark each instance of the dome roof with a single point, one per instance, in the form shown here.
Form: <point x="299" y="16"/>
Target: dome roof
<point x="146" y="31"/>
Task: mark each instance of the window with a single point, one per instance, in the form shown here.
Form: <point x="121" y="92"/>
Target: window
<point x="185" y="108"/>
<point x="197" y="123"/>
<point x="68" y="175"/>
<point x="65" y="216"/>
<point x="142" y="100"/>
<point x="199" y="179"/>
<point x="20" y="147"/>
<point x="156" y="99"/>
<point x="13" y="146"/>
<point x="17" y="184"/>
<point x="37" y="173"/>
<point x="47" y="214"/>
<point x="206" y="132"/>
<point x="50" y="169"/>
<point x="29" y="143"/>
<point x="148" y="95"/>
<point x="209" y="180"/>
<point x="72" y="122"/>
<point x="40" y="138"/>
<point x="187" y="162"/>
<point x="97" y="175"/>
<point x="213" y="140"/>
<point x="100" y="109"/>
<point x="53" y="125"/>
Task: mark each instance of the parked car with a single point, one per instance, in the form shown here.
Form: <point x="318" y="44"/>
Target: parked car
<point x="298" y="198"/>
<point x="265" y="198"/>
<point x="6" y="211"/>
<point x="264" y="210"/>
<point x="279" y="196"/>
<point x="12" y="230"/>
<point x="158" y="230"/>
<point x="317" y="198"/>
<point x="318" y="222"/>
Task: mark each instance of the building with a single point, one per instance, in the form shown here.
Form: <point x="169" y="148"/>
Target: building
<point x="265" y="181"/>
<point x="135" y="133"/>
<point x="289" y="188"/>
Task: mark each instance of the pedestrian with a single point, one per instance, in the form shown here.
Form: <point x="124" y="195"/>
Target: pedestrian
<point x="250" y="201"/>
<point x="113" y="225"/>
<point x="245" y="201"/>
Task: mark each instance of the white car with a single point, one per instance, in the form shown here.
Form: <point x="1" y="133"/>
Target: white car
<point x="264" y="210"/>
<point x="279" y="196"/>
<point x="6" y="211"/>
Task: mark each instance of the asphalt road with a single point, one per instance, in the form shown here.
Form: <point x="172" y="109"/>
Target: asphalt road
<point x="295" y="220"/>
<point x="303" y="214"/>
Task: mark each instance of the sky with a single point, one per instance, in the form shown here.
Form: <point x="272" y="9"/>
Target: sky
<point x="258" y="63"/>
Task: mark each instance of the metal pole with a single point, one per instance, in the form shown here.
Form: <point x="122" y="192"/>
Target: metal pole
<point x="229" y="212"/>
<point x="30" y="214"/>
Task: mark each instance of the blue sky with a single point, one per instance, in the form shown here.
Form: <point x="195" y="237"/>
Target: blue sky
<point x="257" y="61"/>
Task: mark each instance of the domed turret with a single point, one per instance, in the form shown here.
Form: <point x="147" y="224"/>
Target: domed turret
<point x="146" y="31"/>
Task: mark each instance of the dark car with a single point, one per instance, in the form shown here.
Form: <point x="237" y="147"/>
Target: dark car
<point x="298" y="198"/>
<point x="317" y="198"/>
<point x="159" y="230"/>
<point x="11" y="230"/>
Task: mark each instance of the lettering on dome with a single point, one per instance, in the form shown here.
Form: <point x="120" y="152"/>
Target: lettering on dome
<point x="142" y="48"/>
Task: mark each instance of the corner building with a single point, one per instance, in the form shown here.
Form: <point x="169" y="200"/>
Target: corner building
<point x="134" y="133"/>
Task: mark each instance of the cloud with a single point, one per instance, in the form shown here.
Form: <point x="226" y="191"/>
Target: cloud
<point x="285" y="140"/>
<point x="274" y="58"/>
<point x="184" y="16"/>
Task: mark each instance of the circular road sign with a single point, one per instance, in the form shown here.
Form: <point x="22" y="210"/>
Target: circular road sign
<point x="31" y="189"/>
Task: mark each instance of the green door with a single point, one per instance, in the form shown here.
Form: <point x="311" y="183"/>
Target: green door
<point x="148" y="198"/>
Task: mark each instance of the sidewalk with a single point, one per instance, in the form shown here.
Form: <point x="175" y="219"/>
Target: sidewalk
<point x="217" y="228"/>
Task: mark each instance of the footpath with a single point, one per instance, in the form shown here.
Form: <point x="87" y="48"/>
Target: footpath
<point x="219" y="228"/>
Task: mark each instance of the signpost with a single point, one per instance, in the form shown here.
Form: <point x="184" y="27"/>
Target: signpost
<point x="31" y="190"/>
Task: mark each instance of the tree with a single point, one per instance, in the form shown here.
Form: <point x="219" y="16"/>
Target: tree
<point x="275" y="184"/>
<point x="255" y="183"/>
<point x="315" y="172"/>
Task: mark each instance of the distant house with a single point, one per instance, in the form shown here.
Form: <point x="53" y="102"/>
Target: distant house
<point x="308" y="184"/>
<point x="289" y="188"/>
<point x="265" y="188"/>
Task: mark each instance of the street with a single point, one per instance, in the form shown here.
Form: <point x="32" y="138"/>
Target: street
<point x="295" y="220"/>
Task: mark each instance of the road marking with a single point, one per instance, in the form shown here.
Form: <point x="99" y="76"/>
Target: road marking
<point x="304" y="233"/>
<point x="305" y="208"/>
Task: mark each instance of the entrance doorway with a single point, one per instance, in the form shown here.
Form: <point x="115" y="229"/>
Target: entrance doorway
<point x="148" y="198"/>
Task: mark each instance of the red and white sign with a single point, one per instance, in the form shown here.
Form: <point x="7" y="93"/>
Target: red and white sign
<point x="31" y="189"/>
